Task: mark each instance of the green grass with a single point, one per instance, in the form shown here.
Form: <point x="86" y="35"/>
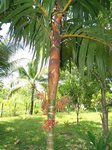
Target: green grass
<point x="26" y="133"/>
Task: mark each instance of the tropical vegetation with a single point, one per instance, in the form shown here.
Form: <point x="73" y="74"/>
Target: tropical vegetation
<point x="65" y="32"/>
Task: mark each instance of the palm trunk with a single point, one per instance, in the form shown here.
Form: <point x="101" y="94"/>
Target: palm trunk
<point x="2" y="109"/>
<point x="26" y="107"/>
<point x="77" y="112"/>
<point x="54" y="66"/>
<point x="32" y="100"/>
<point x="104" y="111"/>
<point x="104" y="115"/>
<point x="15" y="109"/>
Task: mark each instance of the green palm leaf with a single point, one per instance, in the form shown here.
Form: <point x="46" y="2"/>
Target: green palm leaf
<point x="83" y="54"/>
<point x="6" y="51"/>
<point x="82" y="20"/>
<point x="90" y="56"/>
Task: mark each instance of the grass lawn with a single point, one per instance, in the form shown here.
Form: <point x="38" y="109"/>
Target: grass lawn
<point x="26" y="133"/>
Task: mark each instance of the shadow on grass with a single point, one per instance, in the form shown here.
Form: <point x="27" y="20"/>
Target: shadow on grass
<point x="22" y="134"/>
<point x="71" y="136"/>
<point x="27" y="134"/>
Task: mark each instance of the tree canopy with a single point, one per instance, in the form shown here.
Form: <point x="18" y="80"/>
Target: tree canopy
<point x="85" y="29"/>
<point x="6" y="50"/>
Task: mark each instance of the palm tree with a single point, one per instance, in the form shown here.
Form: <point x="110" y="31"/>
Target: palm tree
<point x="6" y="51"/>
<point x="104" y="116"/>
<point x="28" y="75"/>
<point x="54" y="26"/>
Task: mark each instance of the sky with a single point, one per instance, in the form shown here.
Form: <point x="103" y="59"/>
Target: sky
<point x="5" y="28"/>
<point x="24" y="56"/>
<point x="20" y="53"/>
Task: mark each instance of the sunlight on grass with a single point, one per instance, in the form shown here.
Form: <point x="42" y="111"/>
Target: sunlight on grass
<point x="71" y="117"/>
<point x="26" y="132"/>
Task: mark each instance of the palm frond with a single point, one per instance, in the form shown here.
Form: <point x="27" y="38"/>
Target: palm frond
<point x="6" y="51"/>
<point x="83" y="54"/>
<point x="12" y="91"/>
<point x="83" y="21"/>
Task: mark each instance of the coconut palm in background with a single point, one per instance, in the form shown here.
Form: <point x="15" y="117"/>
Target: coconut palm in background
<point x="6" y="51"/>
<point x="29" y="75"/>
<point x="60" y="28"/>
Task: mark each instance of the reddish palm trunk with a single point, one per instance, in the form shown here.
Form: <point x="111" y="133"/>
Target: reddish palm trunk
<point x="54" y="66"/>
